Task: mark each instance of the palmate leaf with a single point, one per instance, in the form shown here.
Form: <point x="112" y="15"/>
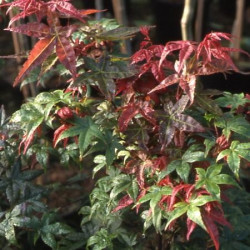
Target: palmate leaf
<point x="215" y="57"/>
<point x="182" y="166"/>
<point x="132" y="109"/>
<point x="186" y="49"/>
<point x="236" y="124"/>
<point x="231" y="100"/>
<point x="110" y="144"/>
<point x="212" y="178"/>
<point x="16" y="183"/>
<point x="234" y="154"/>
<point x="30" y="117"/>
<point x="42" y="49"/>
<point x="28" y="8"/>
<point x="187" y="123"/>
<point x="191" y="208"/>
<point x="172" y="119"/>
<point x="86" y="130"/>
<point x="154" y="196"/>
<point x="103" y="73"/>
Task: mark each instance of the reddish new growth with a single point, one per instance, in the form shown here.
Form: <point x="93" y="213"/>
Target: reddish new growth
<point x="51" y="36"/>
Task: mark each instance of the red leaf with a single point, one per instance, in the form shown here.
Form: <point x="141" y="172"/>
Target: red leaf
<point x="160" y="162"/>
<point x="187" y="123"/>
<point x="157" y="72"/>
<point x="213" y="213"/>
<point x="186" y="48"/>
<point x="58" y="132"/>
<point x="147" y="112"/>
<point x="142" y="193"/>
<point x="123" y="202"/>
<point x="65" y="8"/>
<point x="122" y="85"/>
<point x="26" y="142"/>
<point x="29" y="7"/>
<point x="140" y="176"/>
<point x="211" y="229"/>
<point x="66" y="54"/>
<point x="39" y="53"/>
<point x="141" y="55"/>
<point x="128" y="113"/>
<point x="185" y="53"/>
<point x="190" y="228"/>
<point x="32" y="29"/>
<point x="172" y="79"/>
<point x="131" y="166"/>
<point x="175" y="191"/>
<point x="65" y="113"/>
<point x="188" y="85"/>
<point x="179" y="138"/>
<point x="90" y="11"/>
<point x="214" y="55"/>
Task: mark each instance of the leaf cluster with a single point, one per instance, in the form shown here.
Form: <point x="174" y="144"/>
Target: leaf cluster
<point x="164" y="152"/>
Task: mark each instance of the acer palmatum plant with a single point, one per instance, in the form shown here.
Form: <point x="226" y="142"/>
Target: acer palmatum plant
<point x="166" y="154"/>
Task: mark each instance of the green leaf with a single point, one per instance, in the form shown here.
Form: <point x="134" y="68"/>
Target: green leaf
<point x="194" y="214"/>
<point x="192" y="155"/>
<point x="181" y="208"/>
<point x="154" y="201"/>
<point x="236" y="124"/>
<point x="231" y="100"/>
<point x="170" y="168"/>
<point x="213" y="188"/>
<point x="10" y="233"/>
<point x="183" y="171"/>
<point x="155" y="194"/>
<point x="223" y="153"/>
<point x="213" y="170"/>
<point x="133" y="190"/>
<point x="49" y="239"/>
<point x="201" y="200"/>
<point x="123" y="185"/>
<point x="101" y="161"/>
<point x="233" y="161"/>
<point x="102" y="240"/>
<point x="225" y="179"/>
<point x="86" y="130"/>
<point x="156" y="218"/>
<point x="211" y="179"/>
<point x="57" y="229"/>
<point x="209" y="143"/>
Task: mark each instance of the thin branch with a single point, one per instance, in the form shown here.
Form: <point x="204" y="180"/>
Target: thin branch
<point x="186" y="20"/>
<point x="237" y="26"/>
<point x="121" y="17"/>
<point x="18" y="51"/>
<point x="199" y="20"/>
<point x="99" y="6"/>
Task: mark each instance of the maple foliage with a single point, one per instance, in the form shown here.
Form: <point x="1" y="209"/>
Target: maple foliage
<point x="164" y="142"/>
<point x="50" y="36"/>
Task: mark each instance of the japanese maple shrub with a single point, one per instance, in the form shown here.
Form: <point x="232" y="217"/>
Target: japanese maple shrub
<point x="166" y="153"/>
